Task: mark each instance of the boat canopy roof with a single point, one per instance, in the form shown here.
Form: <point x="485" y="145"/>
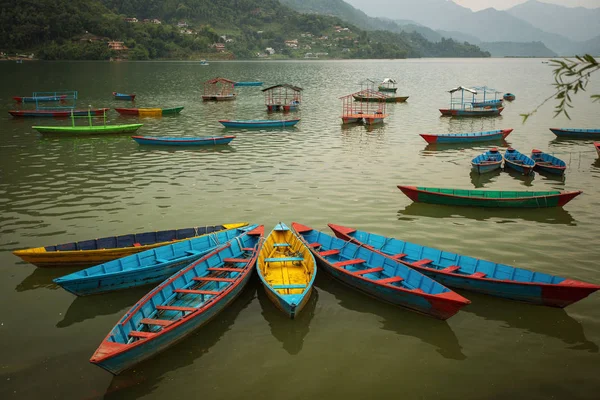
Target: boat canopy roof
<point x="367" y="93"/>
<point x="388" y="80"/>
<point x="486" y="89"/>
<point x="284" y="85"/>
<point x="216" y="80"/>
<point x="456" y="89"/>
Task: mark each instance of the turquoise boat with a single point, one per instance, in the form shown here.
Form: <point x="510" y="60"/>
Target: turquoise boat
<point x="184" y="141"/>
<point x="484" y="136"/>
<point x="259" y="123"/>
<point x="489" y="161"/>
<point x="518" y="161"/>
<point x="248" y="84"/>
<point x="576" y="133"/>
<point x="545" y="162"/>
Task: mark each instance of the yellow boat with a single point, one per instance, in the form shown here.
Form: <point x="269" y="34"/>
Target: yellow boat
<point x="287" y="270"/>
<point x="91" y="252"/>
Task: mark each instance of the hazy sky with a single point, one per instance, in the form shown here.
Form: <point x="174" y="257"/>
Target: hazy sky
<point x="504" y="4"/>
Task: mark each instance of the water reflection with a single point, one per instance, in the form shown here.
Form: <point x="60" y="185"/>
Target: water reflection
<point x="42" y="278"/>
<point x="219" y="148"/>
<point x="290" y="333"/>
<point x="461" y="146"/>
<point x="395" y="319"/>
<point x="480" y="180"/>
<point x="527" y="180"/>
<point x="552" y="215"/>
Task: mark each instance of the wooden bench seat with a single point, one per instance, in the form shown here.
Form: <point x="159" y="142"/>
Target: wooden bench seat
<point x="176" y="308"/>
<point x="159" y="322"/>
<point x="281" y="245"/>
<point x="212" y="279"/>
<point x="390" y="280"/>
<point x="141" y="335"/>
<point x="161" y="260"/>
<point x="224" y="269"/>
<point x="329" y="252"/>
<point x="348" y="262"/>
<point x="314" y="245"/>
<point x="284" y="259"/>
<point x="298" y="286"/>
<point x="422" y="262"/>
<point x="398" y="256"/>
<point x="479" y="275"/>
<point x="452" y="268"/>
<point x="367" y="271"/>
<point x="193" y="291"/>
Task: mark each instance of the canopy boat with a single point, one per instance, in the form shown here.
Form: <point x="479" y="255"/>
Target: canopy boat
<point x="387" y="85"/>
<point x="518" y="161"/>
<point x="89" y="129"/>
<point x="287" y="270"/>
<point x="146" y="267"/>
<point x="248" y="84"/>
<point x="184" y="141"/>
<point x="498" y="134"/>
<point x="545" y="162"/>
<point x="387" y="99"/>
<point x="219" y="89"/>
<point x="379" y="276"/>
<point x="283" y="97"/>
<point x="576" y="133"/>
<point x="482" y="112"/>
<point x="597" y="146"/>
<point x="123" y="96"/>
<point x="180" y="304"/>
<point x="465" y="108"/>
<point x="58" y="113"/>
<point x="509" y="96"/>
<point x="367" y="112"/>
<point x="489" y="198"/>
<point x="40" y="99"/>
<point x="489" y="161"/>
<point x="90" y="252"/>
<point x="486" y="102"/>
<point x="469" y="273"/>
<point x="149" y="112"/>
<point x="259" y="123"/>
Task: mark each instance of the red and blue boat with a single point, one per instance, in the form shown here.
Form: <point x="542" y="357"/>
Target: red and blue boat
<point x="576" y="133"/>
<point x="259" y="123"/>
<point x="59" y="113"/>
<point x="484" y="136"/>
<point x="379" y="276"/>
<point x="472" y="108"/>
<point x="518" y="161"/>
<point x="474" y="274"/>
<point x="474" y="112"/>
<point x="179" y="305"/>
<point x="545" y="162"/>
<point x="149" y="112"/>
<point x="489" y="161"/>
<point x="123" y="96"/>
<point x="184" y="141"/>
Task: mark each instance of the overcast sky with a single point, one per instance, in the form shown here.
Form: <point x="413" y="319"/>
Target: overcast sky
<point x="504" y="4"/>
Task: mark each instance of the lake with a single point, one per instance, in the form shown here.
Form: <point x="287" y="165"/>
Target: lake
<point x="344" y="344"/>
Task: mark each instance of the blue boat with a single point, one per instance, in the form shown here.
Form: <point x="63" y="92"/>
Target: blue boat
<point x="379" y="276"/>
<point x="123" y="96"/>
<point x="485" y="136"/>
<point x="487" y="162"/>
<point x="259" y="123"/>
<point x="545" y="162"/>
<point x="180" y="304"/>
<point x="509" y="96"/>
<point x="463" y="272"/>
<point x="518" y="161"/>
<point x="183" y="141"/>
<point x="487" y="103"/>
<point x="146" y="267"/>
<point x="287" y="270"/>
<point x="576" y="133"/>
<point x="248" y="84"/>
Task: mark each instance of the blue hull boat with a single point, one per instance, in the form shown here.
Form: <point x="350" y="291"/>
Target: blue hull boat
<point x="183" y="141"/>
<point x="518" y="161"/>
<point x="576" y="133"/>
<point x="379" y="276"/>
<point x="146" y="267"/>
<point x="489" y="161"/>
<point x="123" y="96"/>
<point x="248" y="84"/>
<point x="181" y="304"/>
<point x="498" y="134"/>
<point x="463" y="272"/>
<point x="259" y="123"/>
<point x="545" y="162"/>
<point x="487" y="103"/>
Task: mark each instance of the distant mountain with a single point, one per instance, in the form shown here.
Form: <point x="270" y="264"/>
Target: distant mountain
<point x="460" y="36"/>
<point x="591" y="46"/>
<point x="512" y="49"/>
<point x="578" y="23"/>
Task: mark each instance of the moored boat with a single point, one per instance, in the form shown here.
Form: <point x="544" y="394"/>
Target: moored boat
<point x="287" y="270"/>
<point x="39" y="99"/>
<point x="518" y="161"/>
<point x="379" y="276"/>
<point x="149" y="112"/>
<point x="88" y="130"/>
<point x="463" y="272"/>
<point x="484" y="136"/>
<point x="259" y="123"/>
<point x="474" y="112"/>
<point x="184" y="141"/>
<point x="123" y="96"/>
<point x="509" y="96"/>
<point x="487" y="103"/>
<point x="90" y="252"/>
<point x="489" y="198"/>
<point x="59" y="113"/>
<point x="146" y="267"/>
<point x="576" y="133"/>
<point x="387" y="85"/>
<point x="180" y="304"/>
<point x="387" y="99"/>
<point x="487" y="162"/>
<point x="545" y="162"/>
<point x="248" y="84"/>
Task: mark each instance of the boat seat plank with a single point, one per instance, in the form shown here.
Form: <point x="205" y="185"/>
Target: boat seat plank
<point x="417" y="290"/>
<point x="283" y="259"/>
<point x="193" y="291"/>
<point x="176" y="308"/>
<point x="224" y="269"/>
<point x="236" y="260"/>
<point x="390" y="280"/>
<point x="422" y="262"/>
<point x="452" y="268"/>
<point x="162" y="260"/>
<point x="141" y="335"/>
<point x="349" y="262"/>
<point x="315" y="245"/>
<point x="479" y="275"/>
<point x="247" y="249"/>
<point x="281" y="245"/>
<point x="367" y="271"/>
<point x="398" y="256"/>
<point x="159" y="322"/>
<point x="212" y="279"/>
<point x="289" y="286"/>
<point x="329" y="252"/>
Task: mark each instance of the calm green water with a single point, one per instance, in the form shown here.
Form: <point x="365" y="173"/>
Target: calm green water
<point x="344" y="345"/>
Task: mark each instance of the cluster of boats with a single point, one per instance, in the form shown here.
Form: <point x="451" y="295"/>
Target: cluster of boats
<point x="200" y="271"/>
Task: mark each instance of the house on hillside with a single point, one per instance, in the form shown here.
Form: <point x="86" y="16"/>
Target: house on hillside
<point x="182" y="24"/>
<point x="270" y="50"/>
<point x="220" y="47"/>
<point x="292" y="43"/>
<point x="117" y="46"/>
<point x="156" y="21"/>
<point x="132" y="20"/>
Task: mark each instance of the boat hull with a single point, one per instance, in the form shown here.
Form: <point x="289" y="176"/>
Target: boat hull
<point x="88" y="130"/>
<point x="149" y="112"/>
<point x="487" y="103"/>
<point x="491" y="112"/>
<point x="123" y="96"/>
<point x="485" y="168"/>
<point x="466" y="137"/>
<point x="259" y="123"/>
<point x="218" y="98"/>
<point x="576" y="133"/>
<point x="391" y="99"/>
<point x="189" y="141"/>
<point x="57" y="113"/>
<point x="41" y="99"/>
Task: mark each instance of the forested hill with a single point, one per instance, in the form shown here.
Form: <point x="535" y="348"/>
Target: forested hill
<point x="185" y="29"/>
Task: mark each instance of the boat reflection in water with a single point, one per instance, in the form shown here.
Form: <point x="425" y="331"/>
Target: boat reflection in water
<point x="480" y="180"/>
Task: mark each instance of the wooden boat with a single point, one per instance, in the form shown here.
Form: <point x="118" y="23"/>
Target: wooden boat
<point x="469" y="273"/>
<point x="483" y="112"/>
<point x="146" y="267"/>
<point x="387" y="85"/>
<point x="90" y="252"/>
<point x="489" y="161"/>
<point x="123" y="96"/>
<point x="484" y="136"/>
<point x="287" y="270"/>
<point x="509" y="96"/>
<point x="518" y="161"/>
<point x="388" y="99"/>
<point x="39" y="99"/>
<point x="576" y="133"/>
<point x="259" y="123"/>
<point x="487" y="103"/>
<point x="248" y="84"/>
<point x="379" y="276"/>
<point x="489" y="198"/>
<point x="597" y="147"/>
<point x="62" y="113"/>
<point x="184" y="141"/>
<point x="88" y="130"/>
<point x="180" y="304"/>
<point x="545" y="162"/>
<point x="149" y="112"/>
<point x="382" y="88"/>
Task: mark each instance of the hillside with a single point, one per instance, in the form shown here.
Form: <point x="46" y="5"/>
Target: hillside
<point x="513" y="49"/>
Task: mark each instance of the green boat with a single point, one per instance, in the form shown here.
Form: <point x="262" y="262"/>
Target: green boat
<point x="489" y="198"/>
<point x="89" y="130"/>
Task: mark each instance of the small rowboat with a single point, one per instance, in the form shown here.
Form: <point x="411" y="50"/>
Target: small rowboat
<point x="489" y="161"/>
<point x="58" y="113"/>
<point x="484" y="112"/>
<point x="545" y="162"/>
<point x="287" y="270"/>
<point x="248" y="84"/>
<point x="597" y="147"/>
<point x="39" y="99"/>
<point x="518" y="161"/>
<point x="498" y="134"/>
<point x="576" y="133"/>
<point x="489" y="198"/>
<point x="389" y="99"/>
<point x="181" y="304"/>
<point x="183" y="141"/>
<point x="149" y="112"/>
<point x="219" y="97"/>
<point x="88" y="130"/>
<point x="146" y="267"/>
<point x="509" y="96"/>
<point x="379" y="276"/>
<point x="123" y="96"/>
<point x="90" y="252"/>
<point x="463" y="272"/>
<point x="259" y="123"/>
<point x="487" y="103"/>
